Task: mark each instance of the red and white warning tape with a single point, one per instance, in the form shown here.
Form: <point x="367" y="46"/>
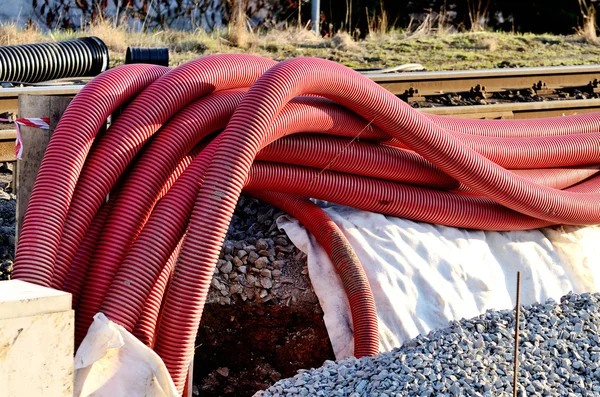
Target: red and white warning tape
<point x="43" y="123"/>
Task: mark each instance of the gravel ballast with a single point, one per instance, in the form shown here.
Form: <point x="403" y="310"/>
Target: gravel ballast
<point x="8" y="205"/>
<point x="559" y="354"/>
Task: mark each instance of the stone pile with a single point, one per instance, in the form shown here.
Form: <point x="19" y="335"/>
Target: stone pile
<point x="559" y="355"/>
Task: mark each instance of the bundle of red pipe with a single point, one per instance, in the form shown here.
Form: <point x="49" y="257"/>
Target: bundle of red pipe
<point x="131" y="221"/>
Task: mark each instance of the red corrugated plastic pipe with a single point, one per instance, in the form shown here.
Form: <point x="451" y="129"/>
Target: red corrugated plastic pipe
<point x="383" y="162"/>
<point x="77" y="275"/>
<point x="64" y="158"/>
<point x="319" y="151"/>
<point x="390" y="198"/>
<point x="525" y="128"/>
<point x="140" y="120"/>
<point x="142" y="189"/>
<point x="246" y="133"/>
<point x="215" y="178"/>
<point x="162" y="232"/>
<point x="346" y="262"/>
<point x="145" y="329"/>
<point x="347" y="265"/>
<point x="533" y="152"/>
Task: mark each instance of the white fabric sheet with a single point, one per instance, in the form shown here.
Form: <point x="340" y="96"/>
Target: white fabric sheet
<point x="423" y="276"/>
<point x="111" y="362"/>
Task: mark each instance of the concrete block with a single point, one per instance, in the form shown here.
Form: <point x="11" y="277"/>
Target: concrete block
<point x="36" y="341"/>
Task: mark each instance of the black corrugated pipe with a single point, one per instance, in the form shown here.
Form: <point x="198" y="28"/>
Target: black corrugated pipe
<point x="31" y="63"/>
<point x="154" y="56"/>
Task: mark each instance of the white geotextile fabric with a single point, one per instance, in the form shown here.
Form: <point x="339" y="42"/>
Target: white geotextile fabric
<point x="423" y="276"/>
<point x="111" y="362"/>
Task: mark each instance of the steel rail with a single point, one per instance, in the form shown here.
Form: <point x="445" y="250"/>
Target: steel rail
<point x="494" y="80"/>
<point x="427" y="83"/>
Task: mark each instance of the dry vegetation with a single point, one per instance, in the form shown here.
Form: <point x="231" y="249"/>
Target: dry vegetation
<point x="431" y="43"/>
<point x="588" y="26"/>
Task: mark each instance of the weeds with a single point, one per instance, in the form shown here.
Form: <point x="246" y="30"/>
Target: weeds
<point x="10" y="34"/>
<point x="378" y="24"/>
<point x="478" y="14"/>
<point x="434" y="23"/>
<point x="237" y="33"/>
<point x="431" y="43"/>
<point x="113" y="36"/>
<point x="588" y="27"/>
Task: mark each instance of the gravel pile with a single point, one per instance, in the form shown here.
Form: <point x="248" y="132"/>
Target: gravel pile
<point x="8" y="206"/>
<point x="559" y="355"/>
<point x="254" y="257"/>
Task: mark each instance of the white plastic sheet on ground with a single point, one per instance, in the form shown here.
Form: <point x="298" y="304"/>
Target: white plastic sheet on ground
<point x="423" y="276"/>
<point x="111" y="362"/>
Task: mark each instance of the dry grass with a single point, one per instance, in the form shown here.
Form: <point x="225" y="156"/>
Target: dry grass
<point x="588" y="27"/>
<point x="431" y="44"/>
<point x="478" y="14"/>
<point x="10" y="34"/>
<point x="490" y="43"/>
<point x="237" y="30"/>
<point x="113" y="37"/>
<point x="378" y="23"/>
<point x="342" y="41"/>
<point x="434" y="23"/>
<point x="293" y="36"/>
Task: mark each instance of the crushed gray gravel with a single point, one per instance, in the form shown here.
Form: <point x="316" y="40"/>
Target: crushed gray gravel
<point x="559" y="355"/>
<point x="258" y="262"/>
<point x="8" y="204"/>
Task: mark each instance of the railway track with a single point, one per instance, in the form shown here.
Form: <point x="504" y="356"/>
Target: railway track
<point x="422" y="83"/>
<point x="493" y="80"/>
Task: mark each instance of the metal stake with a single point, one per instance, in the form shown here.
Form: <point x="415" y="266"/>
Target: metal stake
<point x="516" y="352"/>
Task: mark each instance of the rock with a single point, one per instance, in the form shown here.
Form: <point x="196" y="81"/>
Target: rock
<point x="6" y="268"/>
<point x="227" y="267"/>
<point x="278" y="264"/>
<point x="261" y="262"/>
<point x="266" y="282"/>
<point x="228" y="248"/>
<point x="262" y="244"/>
<point x="237" y="261"/>
<point x="235" y="289"/>
<point x="223" y="371"/>
<point x="252" y="257"/>
<point x="281" y="241"/>
<point x="286" y="249"/>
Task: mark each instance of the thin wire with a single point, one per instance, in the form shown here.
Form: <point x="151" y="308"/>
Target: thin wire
<point x="354" y="138"/>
